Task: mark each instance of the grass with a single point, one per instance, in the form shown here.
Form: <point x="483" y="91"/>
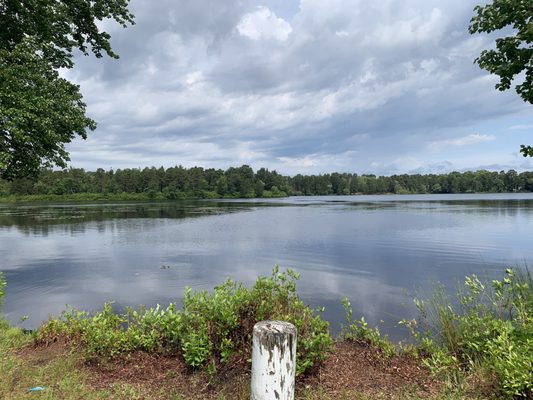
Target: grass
<point x="22" y="370"/>
<point x="60" y="371"/>
<point x="123" y="196"/>
<point x="76" y="197"/>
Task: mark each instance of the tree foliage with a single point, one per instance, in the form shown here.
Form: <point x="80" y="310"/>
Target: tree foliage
<point x="242" y="182"/>
<point x="61" y="26"/>
<point x="526" y="150"/>
<point x="513" y="54"/>
<point x="39" y="111"/>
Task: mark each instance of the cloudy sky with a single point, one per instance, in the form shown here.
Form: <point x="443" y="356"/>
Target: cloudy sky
<point x="307" y="86"/>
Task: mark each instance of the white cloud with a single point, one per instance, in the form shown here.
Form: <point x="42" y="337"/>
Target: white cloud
<point x="317" y="163"/>
<point x="474" y="138"/>
<point x="408" y="163"/>
<point x="304" y="162"/>
<point x="520" y="127"/>
<point x="409" y="29"/>
<point x="264" y="24"/>
<point x="193" y="77"/>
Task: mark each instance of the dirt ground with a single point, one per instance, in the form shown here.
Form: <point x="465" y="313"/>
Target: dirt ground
<point x="352" y="370"/>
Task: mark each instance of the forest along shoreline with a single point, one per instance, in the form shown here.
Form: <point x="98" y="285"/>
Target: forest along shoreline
<point x="76" y="184"/>
<point x="479" y="348"/>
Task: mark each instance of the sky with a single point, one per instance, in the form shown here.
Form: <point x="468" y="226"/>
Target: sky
<point x="307" y="86"/>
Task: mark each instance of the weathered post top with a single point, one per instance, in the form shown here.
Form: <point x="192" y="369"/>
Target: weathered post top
<point x="273" y="361"/>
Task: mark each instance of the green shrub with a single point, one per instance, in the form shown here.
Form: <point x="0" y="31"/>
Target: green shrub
<point x="212" y="328"/>
<point x="360" y="331"/>
<point x="490" y="329"/>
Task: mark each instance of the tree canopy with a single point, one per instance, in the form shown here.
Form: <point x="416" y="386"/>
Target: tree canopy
<point x="242" y="182"/>
<point x="513" y="55"/>
<point x="40" y="111"/>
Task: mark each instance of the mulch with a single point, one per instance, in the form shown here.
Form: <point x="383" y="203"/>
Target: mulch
<point x="357" y="365"/>
<point x="352" y="366"/>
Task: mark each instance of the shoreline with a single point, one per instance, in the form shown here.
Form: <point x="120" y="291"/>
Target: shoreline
<point x="144" y="197"/>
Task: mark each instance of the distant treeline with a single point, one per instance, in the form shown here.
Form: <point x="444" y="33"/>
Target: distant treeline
<point x="242" y="182"/>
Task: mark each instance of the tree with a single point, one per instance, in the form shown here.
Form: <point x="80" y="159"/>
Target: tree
<point x="526" y="150"/>
<point x="40" y="111"/>
<point x="513" y="54"/>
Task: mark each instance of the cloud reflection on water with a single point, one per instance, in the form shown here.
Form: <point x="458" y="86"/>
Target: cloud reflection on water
<point x="374" y="250"/>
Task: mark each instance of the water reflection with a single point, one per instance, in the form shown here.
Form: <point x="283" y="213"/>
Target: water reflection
<point x="66" y="218"/>
<point x="377" y="250"/>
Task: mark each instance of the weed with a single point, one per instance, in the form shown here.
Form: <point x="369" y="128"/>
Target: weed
<point x="359" y="330"/>
<point x="490" y="330"/>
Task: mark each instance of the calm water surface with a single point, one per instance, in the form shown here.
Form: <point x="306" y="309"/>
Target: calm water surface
<point x="380" y="251"/>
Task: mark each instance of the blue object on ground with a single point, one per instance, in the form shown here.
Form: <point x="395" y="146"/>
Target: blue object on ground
<point x="36" y="389"/>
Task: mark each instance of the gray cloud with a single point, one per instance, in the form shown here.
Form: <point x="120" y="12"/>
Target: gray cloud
<point x="301" y="87"/>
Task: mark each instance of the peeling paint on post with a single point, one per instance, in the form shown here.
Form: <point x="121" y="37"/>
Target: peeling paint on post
<point x="273" y="361"/>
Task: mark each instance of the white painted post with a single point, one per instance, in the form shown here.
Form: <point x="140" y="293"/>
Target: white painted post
<point x="273" y="361"/>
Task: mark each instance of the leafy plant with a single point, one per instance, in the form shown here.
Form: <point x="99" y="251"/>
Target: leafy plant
<point x="490" y="329"/>
<point x="359" y="330"/>
<point x="211" y="330"/>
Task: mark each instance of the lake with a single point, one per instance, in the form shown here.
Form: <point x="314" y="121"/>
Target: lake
<point x="379" y="251"/>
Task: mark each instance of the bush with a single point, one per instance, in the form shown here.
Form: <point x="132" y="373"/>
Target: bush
<point x="490" y="329"/>
<point x="211" y="330"/>
<point x="358" y="330"/>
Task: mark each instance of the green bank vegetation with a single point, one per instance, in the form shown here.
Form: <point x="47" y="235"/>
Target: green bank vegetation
<point x="479" y="345"/>
<point x="486" y="332"/>
<point x="211" y="330"/>
<point x="242" y="182"/>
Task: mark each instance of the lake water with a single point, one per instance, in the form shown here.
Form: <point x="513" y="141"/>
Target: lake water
<point x="379" y="251"/>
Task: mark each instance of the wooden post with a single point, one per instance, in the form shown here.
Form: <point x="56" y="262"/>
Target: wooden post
<point x="273" y="361"/>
